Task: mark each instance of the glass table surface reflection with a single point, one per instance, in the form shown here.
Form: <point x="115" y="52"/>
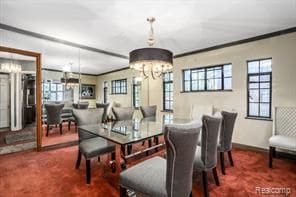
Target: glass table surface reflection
<point x="132" y="131"/>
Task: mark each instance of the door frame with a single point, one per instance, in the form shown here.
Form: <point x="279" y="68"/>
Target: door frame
<point x="37" y="57"/>
<point x="9" y="118"/>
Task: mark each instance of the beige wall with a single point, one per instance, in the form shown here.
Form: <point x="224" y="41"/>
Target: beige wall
<point x="153" y="98"/>
<point x="250" y="132"/>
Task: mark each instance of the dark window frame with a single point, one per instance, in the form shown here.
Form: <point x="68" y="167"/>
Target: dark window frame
<point x="205" y="79"/>
<point x="105" y="94"/>
<point x="164" y="82"/>
<point x="122" y="88"/>
<point x="50" y="91"/>
<point x="137" y="85"/>
<point x="259" y="88"/>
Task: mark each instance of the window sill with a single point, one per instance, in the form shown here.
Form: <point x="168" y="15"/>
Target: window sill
<point x="259" y="118"/>
<point x="118" y="93"/>
<point x="170" y="111"/>
<point x="206" y="91"/>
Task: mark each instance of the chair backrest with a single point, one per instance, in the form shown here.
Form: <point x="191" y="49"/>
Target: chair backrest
<point x="209" y="140"/>
<point x="227" y="125"/>
<point x="197" y="111"/>
<point x="285" y="121"/>
<point x="80" y="105"/>
<point x="181" y="142"/>
<point x="105" y="107"/>
<point x="148" y="111"/>
<point x="85" y="117"/>
<point x="123" y="113"/>
<point x="53" y="113"/>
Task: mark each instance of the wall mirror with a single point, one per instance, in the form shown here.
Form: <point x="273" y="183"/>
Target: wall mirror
<point x="19" y="101"/>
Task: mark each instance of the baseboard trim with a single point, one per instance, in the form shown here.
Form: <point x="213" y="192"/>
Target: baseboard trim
<point x="57" y="146"/>
<point x="248" y="147"/>
<point x="279" y="153"/>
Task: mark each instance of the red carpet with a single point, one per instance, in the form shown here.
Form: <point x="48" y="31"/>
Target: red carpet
<point x="54" y="136"/>
<point x="52" y="173"/>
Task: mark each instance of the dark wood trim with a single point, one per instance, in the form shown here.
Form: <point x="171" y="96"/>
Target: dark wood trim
<point x="238" y="42"/>
<point x="57" y="40"/>
<point x="247" y="147"/>
<point x="56" y="70"/>
<point x="62" y="145"/>
<point x="38" y="87"/>
<point x="113" y="71"/>
<point x="194" y="91"/>
<point x="258" y="118"/>
<point x="264" y="150"/>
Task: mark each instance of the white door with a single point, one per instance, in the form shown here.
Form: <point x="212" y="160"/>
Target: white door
<point x="4" y="100"/>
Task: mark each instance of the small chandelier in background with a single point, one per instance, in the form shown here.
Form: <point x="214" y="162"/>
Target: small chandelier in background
<point x="11" y="68"/>
<point x="150" y="60"/>
<point x="69" y="80"/>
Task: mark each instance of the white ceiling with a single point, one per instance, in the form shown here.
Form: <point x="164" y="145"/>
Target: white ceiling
<point x="120" y="25"/>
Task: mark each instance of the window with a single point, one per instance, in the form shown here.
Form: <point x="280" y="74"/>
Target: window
<point x="208" y="78"/>
<point x="136" y="95"/>
<point x="259" y="88"/>
<point x="168" y="91"/>
<point x="105" y="92"/>
<point x="119" y="86"/>
<point x="52" y="91"/>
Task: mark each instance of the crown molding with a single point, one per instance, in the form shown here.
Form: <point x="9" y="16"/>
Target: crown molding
<point x="238" y="42"/>
<point x="60" y="41"/>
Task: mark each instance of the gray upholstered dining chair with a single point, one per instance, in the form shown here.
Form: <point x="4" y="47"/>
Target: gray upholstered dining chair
<point x="166" y="177"/>
<point x="124" y="113"/>
<point x="105" y="106"/>
<point x="149" y="111"/>
<point x="89" y="144"/>
<point x="206" y="154"/>
<point x="67" y="116"/>
<point x="53" y="116"/>
<point x="225" y="139"/>
<point x="80" y="105"/>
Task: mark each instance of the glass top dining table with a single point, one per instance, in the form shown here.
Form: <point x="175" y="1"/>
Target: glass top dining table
<point x="122" y="133"/>
<point x="132" y="131"/>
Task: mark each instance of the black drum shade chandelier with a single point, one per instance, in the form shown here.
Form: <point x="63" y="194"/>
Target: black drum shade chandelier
<point x="151" y="61"/>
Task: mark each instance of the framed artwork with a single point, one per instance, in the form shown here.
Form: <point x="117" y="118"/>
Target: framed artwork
<point x="88" y="91"/>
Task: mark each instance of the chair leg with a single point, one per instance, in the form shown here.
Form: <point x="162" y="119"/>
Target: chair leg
<point x="113" y="156"/>
<point x="271" y="154"/>
<point x="122" y="192"/>
<point x="123" y="150"/>
<point x="216" y="176"/>
<point x="156" y="140"/>
<point x="230" y="158"/>
<point x="129" y="149"/>
<point x="205" y="183"/>
<point x="222" y="163"/>
<point x="47" y="129"/>
<point x="190" y="195"/>
<point x="88" y="171"/>
<point x="61" y="128"/>
<point x="274" y="152"/>
<point x="76" y="127"/>
<point x="78" y="160"/>
<point x="69" y="125"/>
<point x="149" y="145"/>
